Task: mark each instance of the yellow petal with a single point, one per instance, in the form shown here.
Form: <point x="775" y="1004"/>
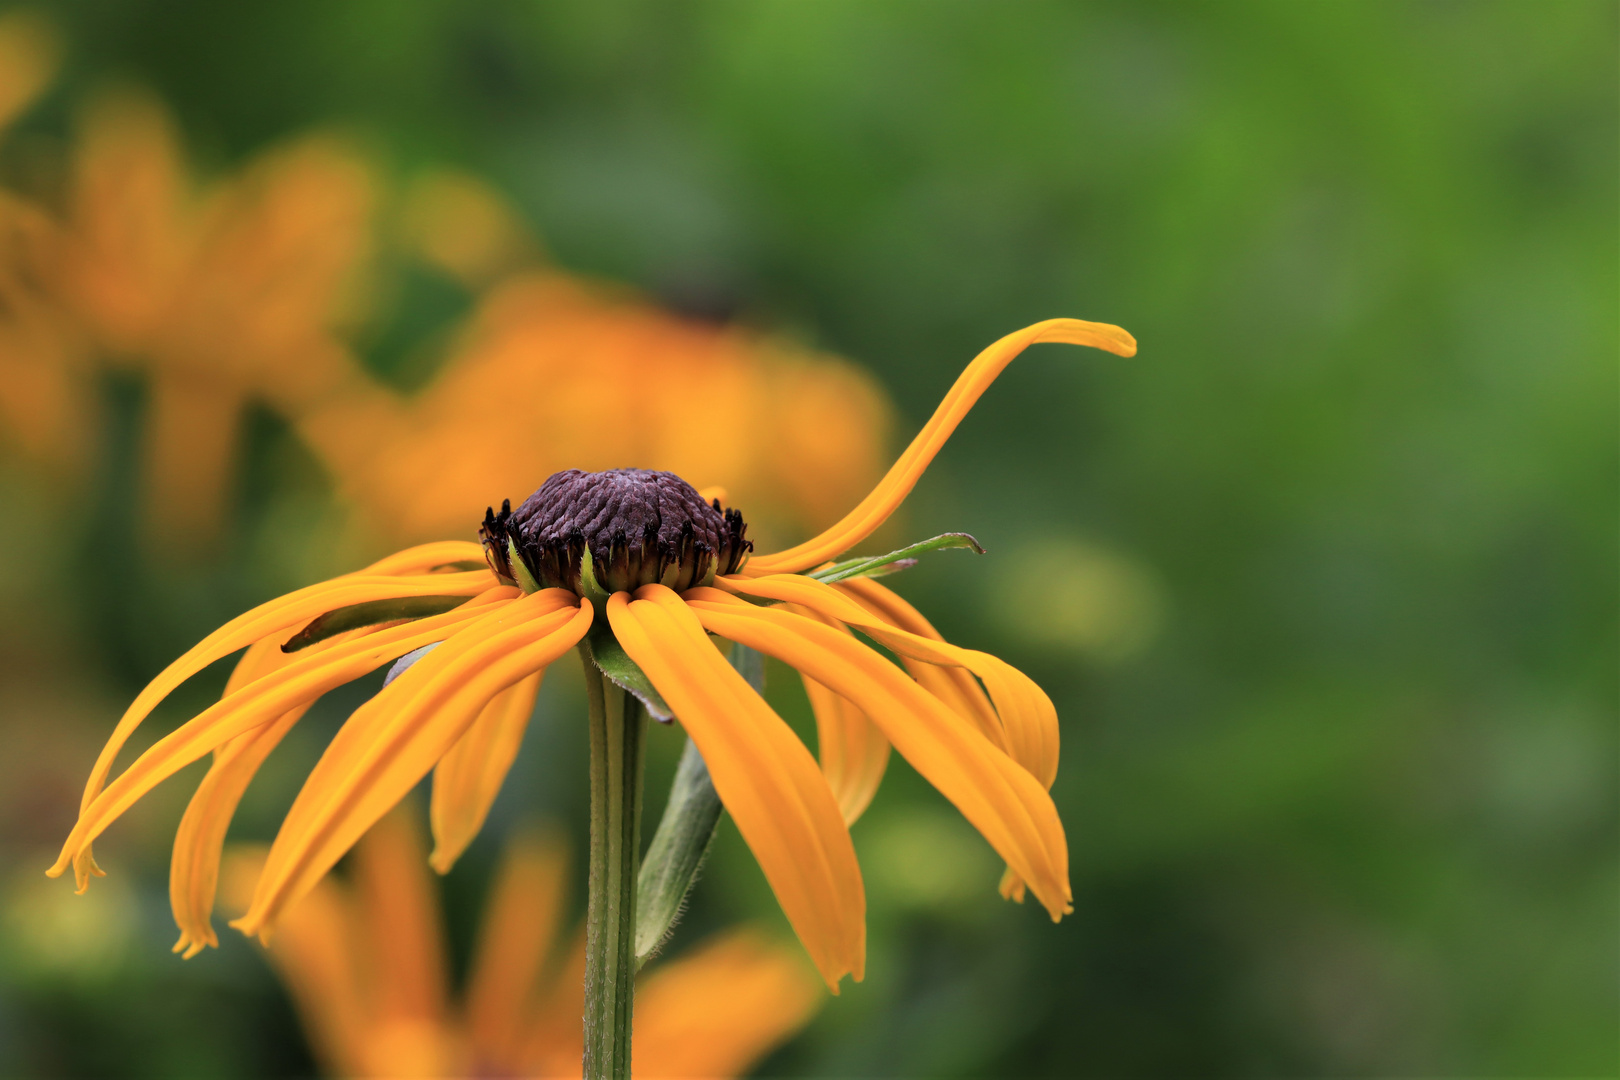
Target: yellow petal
<point x="763" y="774"/>
<point x="1026" y="717"/>
<point x="200" y="840"/>
<point x="194" y="866"/>
<point x="1000" y="797"/>
<point x="466" y="780"/>
<point x="720" y="1008"/>
<point x="852" y="749"/>
<point x="955" y="686"/>
<point x="297" y="683"/>
<point x="283" y="613"/>
<point x="424" y="558"/>
<point x="853" y="752"/>
<point x="393" y="740"/>
<point x="520" y="923"/>
<point x="875" y="509"/>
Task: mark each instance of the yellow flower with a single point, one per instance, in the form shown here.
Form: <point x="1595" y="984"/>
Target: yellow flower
<point x="666" y="570"/>
<point x="365" y="965"/>
<point x="247" y="288"/>
<point x="220" y="293"/>
<point x="794" y="433"/>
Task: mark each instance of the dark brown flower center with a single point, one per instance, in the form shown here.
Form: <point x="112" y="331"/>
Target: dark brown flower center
<point x="612" y="531"/>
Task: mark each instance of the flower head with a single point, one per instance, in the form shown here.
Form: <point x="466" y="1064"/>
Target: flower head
<point x="601" y="533"/>
<point x="666" y="571"/>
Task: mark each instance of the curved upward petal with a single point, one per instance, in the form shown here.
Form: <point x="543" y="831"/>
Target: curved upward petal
<point x="763" y="774"/>
<point x="1000" y="797"/>
<point x="875" y="509"/>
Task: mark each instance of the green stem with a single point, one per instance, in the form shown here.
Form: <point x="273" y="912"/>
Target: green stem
<point x="617" y="727"/>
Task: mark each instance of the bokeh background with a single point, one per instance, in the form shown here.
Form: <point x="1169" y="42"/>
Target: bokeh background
<point x="1323" y="582"/>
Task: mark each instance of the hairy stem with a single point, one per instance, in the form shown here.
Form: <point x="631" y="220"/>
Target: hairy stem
<point x="617" y="729"/>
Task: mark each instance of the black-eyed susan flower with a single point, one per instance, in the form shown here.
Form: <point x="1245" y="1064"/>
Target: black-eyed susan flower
<point x="365" y="964"/>
<point x="640" y="562"/>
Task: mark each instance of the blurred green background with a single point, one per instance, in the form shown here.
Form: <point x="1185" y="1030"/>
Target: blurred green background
<point x="1323" y="583"/>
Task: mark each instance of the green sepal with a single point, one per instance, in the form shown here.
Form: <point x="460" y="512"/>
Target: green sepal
<point x="684" y="834"/>
<point x="369" y="614"/>
<point x="616" y="664"/>
<point x="589" y="587"/>
<point x="520" y="569"/>
<point x="894" y="561"/>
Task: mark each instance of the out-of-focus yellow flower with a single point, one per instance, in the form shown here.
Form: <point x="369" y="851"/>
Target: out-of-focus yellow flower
<point x="554" y="373"/>
<point x="246" y="287"/>
<point x="28" y="58"/>
<point x="46" y="410"/>
<point x="365" y="965"/>
<point x="218" y="293"/>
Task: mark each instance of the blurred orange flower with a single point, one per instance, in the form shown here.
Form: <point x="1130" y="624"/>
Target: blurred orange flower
<point x="218" y="293"/>
<point x="555" y="373"/>
<point x="365" y="964"/>
<point x="247" y="288"/>
<point x="46" y="411"/>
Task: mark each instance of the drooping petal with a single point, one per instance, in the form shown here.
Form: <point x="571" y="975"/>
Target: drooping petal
<point x="394" y="739"/>
<point x="296" y="684"/>
<point x="1000" y="797"/>
<point x="717" y="1010"/>
<point x="1027" y="718"/>
<point x="349" y="746"/>
<point x="853" y="750"/>
<point x="283" y="613"/>
<point x="1036" y="745"/>
<point x="194" y="865"/>
<point x="466" y="780"/>
<point x="520" y="923"/>
<point x="763" y="774"/>
<point x="875" y="509"/>
<point x="199" y="843"/>
<point x="953" y="685"/>
<point x="402" y="923"/>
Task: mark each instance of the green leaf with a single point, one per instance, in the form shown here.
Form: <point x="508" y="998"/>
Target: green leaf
<point x="895" y="561"/>
<point x="370" y="614"/>
<point x="684" y="834"/>
<point x="616" y="664"/>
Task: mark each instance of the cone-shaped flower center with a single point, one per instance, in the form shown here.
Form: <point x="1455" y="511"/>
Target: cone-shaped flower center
<point x="614" y="531"/>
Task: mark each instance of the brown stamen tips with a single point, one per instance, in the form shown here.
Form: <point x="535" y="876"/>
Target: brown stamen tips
<point x="614" y="531"/>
